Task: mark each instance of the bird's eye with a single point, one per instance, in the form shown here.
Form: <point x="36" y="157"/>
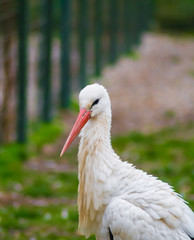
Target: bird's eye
<point x="95" y="102"/>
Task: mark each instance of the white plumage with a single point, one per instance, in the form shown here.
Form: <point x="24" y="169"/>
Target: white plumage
<point x="116" y="200"/>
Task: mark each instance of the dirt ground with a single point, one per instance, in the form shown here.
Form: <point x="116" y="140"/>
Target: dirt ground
<point x="154" y="89"/>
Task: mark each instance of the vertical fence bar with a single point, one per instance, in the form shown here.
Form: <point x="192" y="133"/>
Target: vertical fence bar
<point x="151" y="11"/>
<point x="22" y="70"/>
<point x="45" y="61"/>
<point x="106" y="33"/>
<point x="147" y="11"/>
<point x="83" y="30"/>
<point x="145" y="14"/>
<point x="142" y="16"/>
<point x="134" y="22"/>
<point x="126" y="28"/>
<point x="65" y="61"/>
<point x="98" y="36"/>
<point x="113" y="30"/>
<point x="138" y="20"/>
<point x="120" y="26"/>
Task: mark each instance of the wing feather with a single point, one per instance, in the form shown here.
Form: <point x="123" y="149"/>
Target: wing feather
<point x="156" y="198"/>
<point x="129" y="222"/>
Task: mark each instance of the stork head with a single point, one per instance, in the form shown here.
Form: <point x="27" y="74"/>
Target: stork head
<point x="93" y="101"/>
<point x="94" y="98"/>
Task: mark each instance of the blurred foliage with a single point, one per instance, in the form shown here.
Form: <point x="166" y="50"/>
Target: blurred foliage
<point x="167" y="153"/>
<point x="175" y="14"/>
<point x="43" y="133"/>
<point x="133" y="55"/>
<point x="74" y="105"/>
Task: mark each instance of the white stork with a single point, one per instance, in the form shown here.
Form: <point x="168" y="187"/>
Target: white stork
<point x="116" y="200"/>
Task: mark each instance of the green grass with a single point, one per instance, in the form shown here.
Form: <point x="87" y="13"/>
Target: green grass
<point x="168" y="154"/>
<point x="45" y="222"/>
<point x="44" y="133"/>
<point x="50" y="185"/>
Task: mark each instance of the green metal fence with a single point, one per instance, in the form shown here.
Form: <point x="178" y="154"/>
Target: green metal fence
<point x="77" y="36"/>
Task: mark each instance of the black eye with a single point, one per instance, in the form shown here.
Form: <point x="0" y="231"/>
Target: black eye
<point x="95" y="102"/>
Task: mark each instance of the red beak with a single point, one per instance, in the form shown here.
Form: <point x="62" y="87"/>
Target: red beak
<point x="82" y="119"/>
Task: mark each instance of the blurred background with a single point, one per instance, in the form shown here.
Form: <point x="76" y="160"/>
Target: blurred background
<point x="142" y="51"/>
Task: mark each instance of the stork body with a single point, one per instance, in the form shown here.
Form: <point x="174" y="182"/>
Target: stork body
<point x="116" y="200"/>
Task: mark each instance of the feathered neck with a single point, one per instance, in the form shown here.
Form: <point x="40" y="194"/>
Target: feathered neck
<point x="95" y="157"/>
